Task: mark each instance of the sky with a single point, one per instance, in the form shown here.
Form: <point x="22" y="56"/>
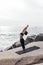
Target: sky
<point x="21" y="12"/>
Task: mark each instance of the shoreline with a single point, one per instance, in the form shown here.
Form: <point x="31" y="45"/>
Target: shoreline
<point x="32" y="55"/>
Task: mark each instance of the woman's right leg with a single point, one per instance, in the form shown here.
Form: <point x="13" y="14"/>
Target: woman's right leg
<point x="22" y="44"/>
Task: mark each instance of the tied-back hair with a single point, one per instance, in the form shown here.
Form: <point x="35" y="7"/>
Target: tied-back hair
<point x="21" y="34"/>
<point x="26" y="33"/>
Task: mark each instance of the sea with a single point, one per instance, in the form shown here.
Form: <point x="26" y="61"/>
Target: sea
<point x="7" y="39"/>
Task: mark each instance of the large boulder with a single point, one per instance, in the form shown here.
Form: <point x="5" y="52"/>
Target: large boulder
<point x="30" y="39"/>
<point x="30" y="60"/>
<point x="15" y="45"/>
<point x="39" y="37"/>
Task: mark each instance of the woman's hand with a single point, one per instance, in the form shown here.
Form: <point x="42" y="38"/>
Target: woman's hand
<point x="24" y="30"/>
<point x="27" y="26"/>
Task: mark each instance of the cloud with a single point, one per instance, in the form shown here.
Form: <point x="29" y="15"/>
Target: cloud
<point x="21" y="12"/>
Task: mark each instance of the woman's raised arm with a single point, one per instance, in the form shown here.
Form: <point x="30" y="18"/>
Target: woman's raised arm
<point x="23" y="31"/>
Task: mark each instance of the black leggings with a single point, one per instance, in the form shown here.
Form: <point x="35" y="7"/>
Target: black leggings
<point x="22" y="43"/>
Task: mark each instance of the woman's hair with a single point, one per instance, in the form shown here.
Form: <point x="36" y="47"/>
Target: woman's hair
<point x="21" y="34"/>
<point x="26" y="33"/>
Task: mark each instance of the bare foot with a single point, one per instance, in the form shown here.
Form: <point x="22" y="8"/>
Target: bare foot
<point x="24" y="49"/>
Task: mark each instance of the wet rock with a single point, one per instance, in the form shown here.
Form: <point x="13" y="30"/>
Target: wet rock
<point x="30" y="39"/>
<point x="39" y="37"/>
<point x="15" y="45"/>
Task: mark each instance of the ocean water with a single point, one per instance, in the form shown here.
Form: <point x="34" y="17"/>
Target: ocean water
<point x="7" y="39"/>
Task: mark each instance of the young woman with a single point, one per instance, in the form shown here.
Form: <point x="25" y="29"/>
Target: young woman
<point x="24" y="31"/>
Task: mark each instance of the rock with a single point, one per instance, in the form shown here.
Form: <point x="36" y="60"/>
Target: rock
<point x="39" y="37"/>
<point x="30" y="60"/>
<point x="30" y="38"/>
<point x="22" y="61"/>
<point x="15" y="45"/>
<point x="18" y="44"/>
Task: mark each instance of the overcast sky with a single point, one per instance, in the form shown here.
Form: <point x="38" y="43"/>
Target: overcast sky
<point x="21" y="12"/>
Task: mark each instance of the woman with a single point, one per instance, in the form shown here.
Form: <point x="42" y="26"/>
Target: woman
<point x="21" y="37"/>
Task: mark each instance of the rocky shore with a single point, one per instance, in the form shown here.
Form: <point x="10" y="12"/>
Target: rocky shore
<point x="29" y="39"/>
<point x="32" y="56"/>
